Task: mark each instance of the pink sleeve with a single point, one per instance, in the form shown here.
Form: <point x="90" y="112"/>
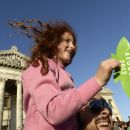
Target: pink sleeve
<point x="88" y="89"/>
<point x="55" y="105"/>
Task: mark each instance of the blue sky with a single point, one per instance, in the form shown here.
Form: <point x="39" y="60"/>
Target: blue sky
<point x="99" y="25"/>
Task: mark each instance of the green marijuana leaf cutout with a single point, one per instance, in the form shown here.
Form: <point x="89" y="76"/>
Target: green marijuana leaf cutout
<point x="123" y="55"/>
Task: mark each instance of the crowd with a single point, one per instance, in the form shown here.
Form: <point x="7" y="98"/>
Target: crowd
<point x="121" y="125"/>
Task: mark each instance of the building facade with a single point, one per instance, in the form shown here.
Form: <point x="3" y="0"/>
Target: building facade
<point x="12" y="63"/>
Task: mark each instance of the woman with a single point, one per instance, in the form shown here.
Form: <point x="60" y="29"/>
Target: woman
<point x="51" y="100"/>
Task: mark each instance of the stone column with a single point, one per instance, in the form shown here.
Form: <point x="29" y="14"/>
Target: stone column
<point x="2" y="89"/>
<point x="19" y="107"/>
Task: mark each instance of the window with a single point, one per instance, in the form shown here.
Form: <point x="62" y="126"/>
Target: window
<point x="110" y="102"/>
<point x="7" y="102"/>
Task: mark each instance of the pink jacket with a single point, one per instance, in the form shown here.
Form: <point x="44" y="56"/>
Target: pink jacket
<point x="51" y="101"/>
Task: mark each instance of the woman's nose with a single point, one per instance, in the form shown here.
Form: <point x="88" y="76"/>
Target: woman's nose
<point x="71" y="45"/>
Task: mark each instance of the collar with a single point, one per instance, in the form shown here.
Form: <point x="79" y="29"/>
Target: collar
<point x="53" y="64"/>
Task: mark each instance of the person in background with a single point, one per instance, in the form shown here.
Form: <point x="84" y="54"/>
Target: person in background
<point x="116" y="126"/>
<point x="128" y="125"/>
<point x="123" y="125"/>
<point x="96" y="115"/>
<point x="51" y="100"/>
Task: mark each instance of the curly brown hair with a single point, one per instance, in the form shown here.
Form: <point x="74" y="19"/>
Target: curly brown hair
<point x="47" y="37"/>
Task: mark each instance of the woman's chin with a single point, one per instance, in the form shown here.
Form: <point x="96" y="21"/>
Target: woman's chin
<point x="67" y="61"/>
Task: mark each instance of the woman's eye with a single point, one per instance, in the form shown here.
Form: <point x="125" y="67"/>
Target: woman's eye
<point x="67" y="40"/>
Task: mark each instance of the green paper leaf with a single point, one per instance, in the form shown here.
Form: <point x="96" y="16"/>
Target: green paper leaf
<point x="123" y="55"/>
<point x="122" y="47"/>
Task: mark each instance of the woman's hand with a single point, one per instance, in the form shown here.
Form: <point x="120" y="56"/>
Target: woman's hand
<point x="105" y="70"/>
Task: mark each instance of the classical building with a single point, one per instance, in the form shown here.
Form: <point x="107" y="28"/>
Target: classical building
<point x="12" y="62"/>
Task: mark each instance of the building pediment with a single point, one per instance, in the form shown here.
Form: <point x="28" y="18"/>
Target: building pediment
<point x="106" y="91"/>
<point x="13" y="58"/>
